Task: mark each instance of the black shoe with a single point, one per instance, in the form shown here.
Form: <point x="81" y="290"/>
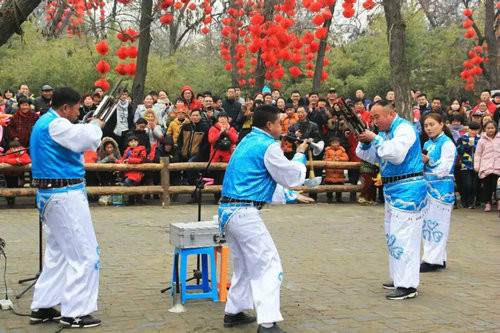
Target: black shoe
<point x="388" y="285"/>
<point x="44" y="315"/>
<point x="80" y="322"/>
<point x="274" y="329"/>
<point x="426" y="267"/>
<point x="402" y="293"/>
<point x="241" y="318"/>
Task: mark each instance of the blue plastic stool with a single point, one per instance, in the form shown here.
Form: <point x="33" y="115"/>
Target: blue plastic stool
<point x="209" y="288"/>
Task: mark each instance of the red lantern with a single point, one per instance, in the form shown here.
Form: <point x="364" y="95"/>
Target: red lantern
<point x="468" y="23"/>
<point x="192" y="6"/>
<point x="167" y="18"/>
<point x="178" y="5"/>
<point x="470" y="33"/>
<point x="242" y="82"/>
<point x="132" y="52"/>
<point x="277" y="85"/>
<point x="205" y="30"/>
<point x="251" y="81"/>
<point x="102" y="83"/>
<point x="131" y="68"/>
<point x="122" y="52"/>
<point x="121" y="69"/>
<point x="324" y="76"/>
<point x="295" y="71"/>
<point x="228" y="66"/>
<point x="368" y="4"/>
<point x="468" y="12"/>
<point x="321" y="33"/>
<point x="102" y="66"/>
<point x="166" y="3"/>
<point x="102" y="47"/>
<point x="318" y="20"/>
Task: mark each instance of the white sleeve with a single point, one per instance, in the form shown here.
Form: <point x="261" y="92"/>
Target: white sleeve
<point x="284" y="172"/>
<point x="283" y="195"/>
<point x="395" y="149"/>
<point x="446" y="161"/>
<point x="367" y="152"/>
<point x="75" y="137"/>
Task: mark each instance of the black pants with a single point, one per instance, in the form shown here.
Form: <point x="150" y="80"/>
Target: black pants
<point x="353" y="175"/>
<point x="488" y="187"/>
<point x="468" y="187"/>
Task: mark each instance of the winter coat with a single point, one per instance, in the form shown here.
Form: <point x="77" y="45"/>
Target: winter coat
<point x="286" y="122"/>
<point x="213" y="135"/>
<point x="487" y="156"/>
<point x="174" y="128"/>
<point x="20" y="126"/>
<point x="193" y="140"/>
<point x="135" y="155"/>
<point x="18" y="159"/>
<point x="335" y="176"/>
<point x="466" y="151"/>
<point x="193" y="104"/>
<point x="232" y="108"/>
<point x="143" y="137"/>
<point x="101" y="151"/>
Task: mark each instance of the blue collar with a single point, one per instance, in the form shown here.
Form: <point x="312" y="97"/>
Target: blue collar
<point x="438" y="137"/>
<point x="259" y="131"/>
<point x="393" y="124"/>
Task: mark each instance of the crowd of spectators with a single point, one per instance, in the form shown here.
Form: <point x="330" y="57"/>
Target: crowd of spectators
<point x="199" y="127"/>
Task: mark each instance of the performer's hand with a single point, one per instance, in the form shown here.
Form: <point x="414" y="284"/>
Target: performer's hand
<point x="366" y="136"/>
<point x="303" y="147"/>
<point x="298" y="133"/>
<point x="304" y="198"/>
<point x="425" y="158"/>
<point x="98" y="122"/>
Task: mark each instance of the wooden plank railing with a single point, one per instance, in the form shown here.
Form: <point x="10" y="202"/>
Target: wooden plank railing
<point x="164" y="189"/>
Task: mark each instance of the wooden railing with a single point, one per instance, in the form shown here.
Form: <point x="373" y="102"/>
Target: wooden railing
<point x="164" y="189"/>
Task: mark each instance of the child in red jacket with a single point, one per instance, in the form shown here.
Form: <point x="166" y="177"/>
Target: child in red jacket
<point x="134" y="154"/>
<point x="335" y="152"/>
<point x="16" y="155"/>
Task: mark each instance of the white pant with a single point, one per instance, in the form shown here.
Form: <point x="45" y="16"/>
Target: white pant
<point x="257" y="273"/>
<point x="435" y="231"/>
<point x="403" y="233"/>
<point x="70" y="274"/>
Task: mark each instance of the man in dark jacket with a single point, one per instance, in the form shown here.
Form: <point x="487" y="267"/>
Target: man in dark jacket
<point x="193" y="140"/>
<point x="42" y="103"/>
<point x="231" y="106"/>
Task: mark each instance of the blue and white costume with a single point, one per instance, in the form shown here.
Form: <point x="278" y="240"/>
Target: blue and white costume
<point x="255" y="167"/>
<point x="70" y="274"/>
<point x="438" y="173"/>
<point x="397" y="151"/>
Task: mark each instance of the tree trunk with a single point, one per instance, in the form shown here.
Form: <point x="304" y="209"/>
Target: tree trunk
<point x="400" y="74"/>
<point x="260" y="70"/>
<point x="318" y="69"/>
<point x="12" y="14"/>
<point x="490" y="27"/>
<point x="142" y="57"/>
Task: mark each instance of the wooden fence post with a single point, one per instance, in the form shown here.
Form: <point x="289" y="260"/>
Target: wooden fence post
<point x="165" y="181"/>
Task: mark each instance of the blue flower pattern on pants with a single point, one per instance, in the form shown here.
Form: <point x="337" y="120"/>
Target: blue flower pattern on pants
<point x="430" y="232"/>
<point x="395" y="251"/>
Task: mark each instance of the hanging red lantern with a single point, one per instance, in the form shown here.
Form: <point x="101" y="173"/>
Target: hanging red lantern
<point x="295" y="71"/>
<point x="470" y="33"/>
<point x="468" y="12"/>
<point x="228" y="66"/>
<point x="132" y="52"/>
<point x="324" y="76"/>
<point x="251" y="81"/>
<point x="166" y="3"/>
<point x="178" y="5"/>
<point x="318" y="20"/>
<point x="102" y="83"/>
<point x="166" y="19"/>
<point x="121" y="69"/>
<point x="122" y="52"/>
<point x="192" y="6"/>
<point x="205" y="30"/>
<point x="277" y="85"/>
<point x="468" y="23"/>
<point x="131" y="68"/>
<point x="102" y="47"/>
<point x="321" y="33"/>
<point x="102" y="66"/>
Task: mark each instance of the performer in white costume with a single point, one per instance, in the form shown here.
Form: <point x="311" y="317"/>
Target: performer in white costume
<point x="70" y="274"/>
<point x="397" y="150"/>
<point x="439" y="157"/>
<point x="255" y="167"/>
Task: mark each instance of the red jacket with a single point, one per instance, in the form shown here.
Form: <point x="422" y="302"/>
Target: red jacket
<point x="213" y="135"/>
<point x="20" y="126"/>
<point x="18" y="159"/>
<point x="135" y="155"/>
<point x="194" y="104"/>
<point x="490" y="105"/>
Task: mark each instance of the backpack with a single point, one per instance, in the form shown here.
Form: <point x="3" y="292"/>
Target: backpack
<point x="223" y="143"/>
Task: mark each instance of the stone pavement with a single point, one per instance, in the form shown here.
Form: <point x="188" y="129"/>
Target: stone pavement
<point x="334" y="260"/>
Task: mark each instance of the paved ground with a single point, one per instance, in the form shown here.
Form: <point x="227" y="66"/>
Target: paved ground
<point x="334" y="260"/>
